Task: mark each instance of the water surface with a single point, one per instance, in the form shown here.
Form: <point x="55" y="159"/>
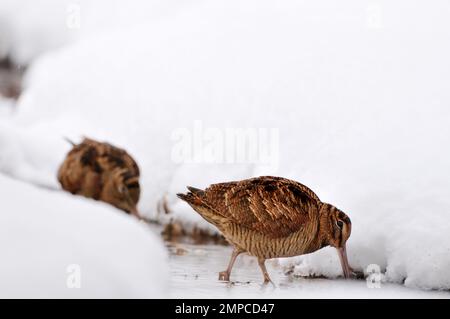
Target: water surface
<point x="194" y="274"/>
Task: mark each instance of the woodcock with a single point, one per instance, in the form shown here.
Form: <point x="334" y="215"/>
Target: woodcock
<point x="102" y="172"/>
<point x="271" y="217"/>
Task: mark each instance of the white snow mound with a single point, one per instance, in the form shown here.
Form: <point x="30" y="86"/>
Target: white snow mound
<point x="55" y="245"/>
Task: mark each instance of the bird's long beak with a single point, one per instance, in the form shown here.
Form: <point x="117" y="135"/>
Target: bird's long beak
<point x="344" y="261"/>
<point x="135" y="213"/>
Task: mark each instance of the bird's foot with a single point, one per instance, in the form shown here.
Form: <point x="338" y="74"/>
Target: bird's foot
<point x="267" y="280"/>
<point x="356" y="274"/>
<point x="224" y="276"/>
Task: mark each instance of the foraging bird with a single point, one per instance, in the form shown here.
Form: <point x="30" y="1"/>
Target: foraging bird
<point x="102" y="172"/>
<point x="271" y="217"/>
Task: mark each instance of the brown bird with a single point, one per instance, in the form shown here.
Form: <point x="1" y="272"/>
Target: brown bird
<point x="270" y="217"/>
<point x="102" y="172"/>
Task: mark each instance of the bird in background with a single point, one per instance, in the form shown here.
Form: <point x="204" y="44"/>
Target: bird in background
<point x="103" y="172"/>
<point x="271" y="217"/>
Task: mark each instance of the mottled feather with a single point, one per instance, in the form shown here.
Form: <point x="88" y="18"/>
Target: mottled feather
<point x="274" y="206"/>
<point x="271" y="217"/>
<point x="97" y="170"/>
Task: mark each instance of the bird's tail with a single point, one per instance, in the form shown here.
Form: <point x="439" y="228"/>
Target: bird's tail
<point x="69" y="141"/>
<point x="196" y="199"/>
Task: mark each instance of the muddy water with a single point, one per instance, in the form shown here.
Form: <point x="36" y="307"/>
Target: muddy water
<point x="194" y="274"/>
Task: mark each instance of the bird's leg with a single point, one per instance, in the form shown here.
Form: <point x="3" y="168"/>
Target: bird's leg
<point x="355" y="274"/>
<point x="225" y="275"/>
<point x="262" y="265"/>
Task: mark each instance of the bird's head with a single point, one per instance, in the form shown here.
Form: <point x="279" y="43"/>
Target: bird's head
<point x="123" y="192"/>
<point x="337" y="229"/>
<point x="125" y="201"/>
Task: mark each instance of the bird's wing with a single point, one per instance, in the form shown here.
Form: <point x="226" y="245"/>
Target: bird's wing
<point x="118" y="164"/>
<point x="80" y="173"/>
<point x="110" y="157"/>
<point x="89" y="160"/>
<point x="274" y="206"/>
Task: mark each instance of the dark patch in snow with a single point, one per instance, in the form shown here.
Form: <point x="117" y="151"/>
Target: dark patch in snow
<point x="175" y="232"/>
<point x="10" y="78"/>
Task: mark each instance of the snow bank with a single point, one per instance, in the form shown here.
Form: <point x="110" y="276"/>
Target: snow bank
<point x="29" y="28"/>
<point x="55" y="245"/>
<point x="6" y="106"/>
<point x="31" y="157"/>
<point x="358" y="94"/>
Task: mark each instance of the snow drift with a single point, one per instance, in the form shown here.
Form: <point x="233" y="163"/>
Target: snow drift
<point x="28" y="28"/>
<point x="357" y="92"/>
<point x="55" y="245"/>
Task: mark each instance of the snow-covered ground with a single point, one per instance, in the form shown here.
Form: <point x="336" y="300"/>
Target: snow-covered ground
<point x="54" y="245"/>
<point x="29" y="28"/>
<point x="6" y="106"/>
<point x="354" y="96"/>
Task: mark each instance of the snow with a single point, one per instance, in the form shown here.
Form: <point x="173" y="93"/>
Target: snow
<point x="357" y="94"/>
<point x="29" y="29"/>
<point x="6" y="106"/>
<point x="55" y="245"/>
<point x="31" y="157"/>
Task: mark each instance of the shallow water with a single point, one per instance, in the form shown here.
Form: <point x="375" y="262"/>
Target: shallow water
<point x="194" y="274"/>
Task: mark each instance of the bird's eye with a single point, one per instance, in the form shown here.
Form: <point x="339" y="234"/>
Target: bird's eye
<point x="340" y="223"/>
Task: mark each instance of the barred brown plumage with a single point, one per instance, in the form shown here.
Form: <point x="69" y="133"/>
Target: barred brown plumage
<point x="270" y="217"/>
<point x="103" y="172"/>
